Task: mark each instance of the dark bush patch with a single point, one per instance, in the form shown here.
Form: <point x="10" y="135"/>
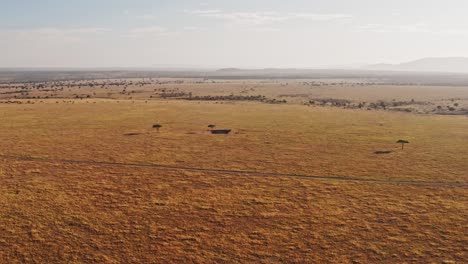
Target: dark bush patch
<point x="383" y="152"/>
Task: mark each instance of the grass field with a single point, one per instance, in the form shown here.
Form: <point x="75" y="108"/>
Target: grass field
<point x="92" y="181"/>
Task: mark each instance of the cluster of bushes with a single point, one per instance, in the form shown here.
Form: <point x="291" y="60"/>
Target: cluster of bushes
<point x="59" y="85"/>
<point x="258" y="98"/>
<point x="227" y="98"/>
<point x="450" y="109"/>
<point x="166" y="90"/>
<point x="319" y="83"/>
<point x="274" y="101"/>
<point x="175" y="95"/>
<point x="12" y="102"/>
<point x="378" y="105"/>
<point x="329" y="102"/>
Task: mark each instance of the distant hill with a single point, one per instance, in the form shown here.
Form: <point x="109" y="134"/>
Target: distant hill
<point x="447" y="64"/>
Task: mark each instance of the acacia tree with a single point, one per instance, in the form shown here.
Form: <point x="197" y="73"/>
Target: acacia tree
<point x="402" y="142"/>
<point x="157" y="126"/>
<point x="211" y="127"/>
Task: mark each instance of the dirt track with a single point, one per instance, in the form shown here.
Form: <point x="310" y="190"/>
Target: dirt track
<point x="244" y="172"/>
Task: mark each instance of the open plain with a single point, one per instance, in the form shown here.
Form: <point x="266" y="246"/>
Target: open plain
<point x="84" y="176"/>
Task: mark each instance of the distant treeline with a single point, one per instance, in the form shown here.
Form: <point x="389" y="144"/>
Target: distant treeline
<point x="384" y="77"/>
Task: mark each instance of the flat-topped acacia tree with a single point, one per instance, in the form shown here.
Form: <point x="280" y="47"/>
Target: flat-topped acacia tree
<point x="402" y="142"/>
<point x="157" y="126"/>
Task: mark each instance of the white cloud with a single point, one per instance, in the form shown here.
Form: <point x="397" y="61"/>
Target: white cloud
<point x="258" y="18"/>
<point x="262" y="18"/>
<point x="320" y="17"/>
<point x="203" y="12"/>
<point x="411" y="28"/>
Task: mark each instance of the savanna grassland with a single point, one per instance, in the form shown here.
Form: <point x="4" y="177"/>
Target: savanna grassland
<point x="87" y="179"/>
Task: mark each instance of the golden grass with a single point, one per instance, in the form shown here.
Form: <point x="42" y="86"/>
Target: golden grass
<point x="53" y="211"/>
<point x="275" y="138"/>
<point x="69" y="213"/>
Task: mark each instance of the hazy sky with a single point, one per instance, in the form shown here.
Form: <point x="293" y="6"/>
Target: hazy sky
<point x="228" y="33"/>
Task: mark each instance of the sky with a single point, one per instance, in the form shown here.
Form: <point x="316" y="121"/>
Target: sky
<point x="229" y="33"/>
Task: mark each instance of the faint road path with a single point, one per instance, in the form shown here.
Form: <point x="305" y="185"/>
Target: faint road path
<point x="243" y="172"/>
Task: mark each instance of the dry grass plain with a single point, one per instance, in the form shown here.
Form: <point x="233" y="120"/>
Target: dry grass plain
<point x="409" y="206"/>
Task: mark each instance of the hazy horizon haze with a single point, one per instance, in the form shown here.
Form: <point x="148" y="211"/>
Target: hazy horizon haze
<point x="217" y="34"/>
